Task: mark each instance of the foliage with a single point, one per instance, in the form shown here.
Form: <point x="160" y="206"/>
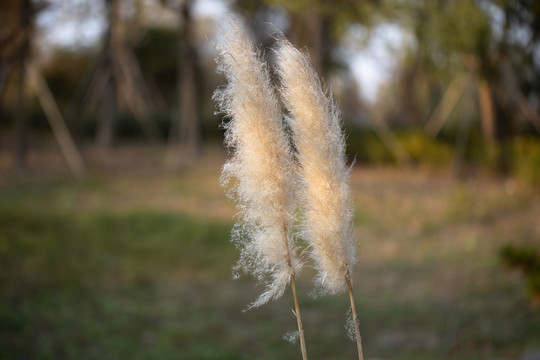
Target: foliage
<point x="527" y="260"/>
<point x="66" y="73"/>
<point x="366" y="147"/>
<point x="157" y="56"/>
<point x="426" y="151"/>
<point x="520" y="39"/>
<point x="527" y="160"/>
<point x="445" y="31"/>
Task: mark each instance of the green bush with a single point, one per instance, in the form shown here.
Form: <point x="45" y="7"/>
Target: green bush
<point x="527" y="160"/>
<point x="527" y="260"/>
<point x="367" y="148"/>
<point x="426" y="151"/>
<point x="523" y="153"/>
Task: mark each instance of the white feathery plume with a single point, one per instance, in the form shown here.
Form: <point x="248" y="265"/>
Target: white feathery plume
<point x="328" y="218"/>
<point x="260" y="172"/>
<point x="320" y="143"/>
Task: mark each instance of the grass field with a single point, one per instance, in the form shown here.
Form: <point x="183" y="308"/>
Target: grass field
<point x="135" y="263"/>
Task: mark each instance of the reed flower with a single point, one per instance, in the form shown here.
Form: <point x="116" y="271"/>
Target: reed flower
<point x="260" y="172"/>
<point x="315" y="122"/>
<point x="320" y="144"/>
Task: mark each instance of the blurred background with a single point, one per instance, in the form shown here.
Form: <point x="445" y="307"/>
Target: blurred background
<point x="114" y="230"/>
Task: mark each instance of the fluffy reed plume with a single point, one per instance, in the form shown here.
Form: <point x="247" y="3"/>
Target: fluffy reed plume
<point x="319" y="140"/>
<point x="320" y="143"/>
<point x="261" y="166"/>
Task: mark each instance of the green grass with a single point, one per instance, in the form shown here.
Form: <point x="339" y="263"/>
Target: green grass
<point x="140" y="268"/>
<point x="89" y="248"/>
<point x="84" y="285"/>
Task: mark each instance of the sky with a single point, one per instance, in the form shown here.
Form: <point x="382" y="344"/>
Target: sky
<point x="374" y="64"/>
<point x="81" y="23"/>
<point x="72" y="22"/>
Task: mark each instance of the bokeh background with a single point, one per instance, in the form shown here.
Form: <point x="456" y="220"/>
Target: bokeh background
<point x="114" y="230"/>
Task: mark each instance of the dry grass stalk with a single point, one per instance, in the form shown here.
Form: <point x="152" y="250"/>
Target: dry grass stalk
<point x="261" y="168"/>
<point x="328" y="218"/>
<point x="355" y="319"/>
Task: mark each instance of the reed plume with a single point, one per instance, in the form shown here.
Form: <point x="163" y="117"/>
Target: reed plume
<point x="327" y="214"/>
<point x="260" y="172"/>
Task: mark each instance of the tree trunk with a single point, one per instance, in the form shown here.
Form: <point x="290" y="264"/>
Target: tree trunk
<point x="504" y="89"/>
<point x="464" y="130"/>
<point x="4" y="73"/>
<point x="486" y="111"/>
<point x="21" y="131"/>
<point x="20" y="148"/>
<point x="109" y="105"/>
<point x="185" y="138"/>
<point x="409" y="113"/>
<point x="189" y="122"/>
<point x="310" y="29"/>
<point x="105" y="135"/>
<point x="58" y="126"/>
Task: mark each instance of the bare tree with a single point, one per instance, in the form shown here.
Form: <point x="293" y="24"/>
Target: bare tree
<point x="118" y="80"/>
<point x="15" y="49"/>
<point x="105" y="133"/>
<point x="15" y="33"/>
<point x="185" y="135"/>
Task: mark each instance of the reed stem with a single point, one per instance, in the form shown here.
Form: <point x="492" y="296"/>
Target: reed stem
<point x="296" y="306"/>
<point x="355" y="319"/>
<point x="299" y="320"/>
